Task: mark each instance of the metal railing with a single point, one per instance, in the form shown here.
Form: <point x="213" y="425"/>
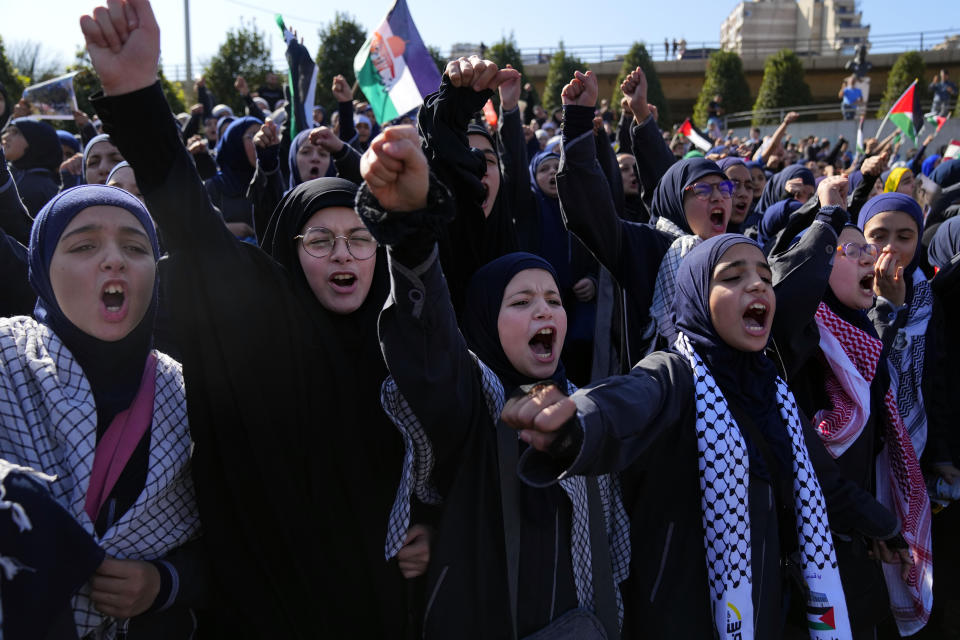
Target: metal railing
<point x="737" y="118"/>
<point x="593" y="53"/>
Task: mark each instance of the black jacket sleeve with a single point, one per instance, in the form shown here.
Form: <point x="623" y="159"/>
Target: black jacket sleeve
<point x="347" y="132"/>
<point x="185" y="217"/>
<point x="652" y="153"/>
<point x="347" y="161"/>
<point x="15" y="220"/>
<point x="622" y="418"/>
<point x="422" y="345"/>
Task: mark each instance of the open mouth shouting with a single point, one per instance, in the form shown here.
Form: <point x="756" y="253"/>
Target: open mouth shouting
<point x="718" y="219"/>
<point x="755" y="318"/>
<point x="866" y="284"/>
<point x="113" y="298"/>
<point x="343" y="282"/>
<point x="313" y="172"/>
<point x="542" y="344"/>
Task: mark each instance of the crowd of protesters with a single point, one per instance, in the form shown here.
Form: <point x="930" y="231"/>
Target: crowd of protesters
<point x="306" y="374"/>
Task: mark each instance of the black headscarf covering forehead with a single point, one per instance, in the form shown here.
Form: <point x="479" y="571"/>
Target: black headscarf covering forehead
<point x="748" y="379"/>
<point x="295" y="209"/>
<point x="668" y="195"/>
<point x="481" y="314"/>
<point x="43" y="150"/>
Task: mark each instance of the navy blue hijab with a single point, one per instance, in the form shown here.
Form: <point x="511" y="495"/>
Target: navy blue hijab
<point x="668" y="195"/>
<point x="554" y="237"/>
<point x="113" y="369"/>
<point x="776" y="188"/>
<point x="235" y="170"/>
<point x="295" y="179"/>
<point x="945" y="244"/>
<point x="747" y="379"/>
<point x="481" y="312"/>
<point x="896" y="202"/>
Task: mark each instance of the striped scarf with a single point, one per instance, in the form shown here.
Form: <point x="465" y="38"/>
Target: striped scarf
<point x="853" y="357"/>
<point x="724" y="486"/>
<point x="665" y="287"/>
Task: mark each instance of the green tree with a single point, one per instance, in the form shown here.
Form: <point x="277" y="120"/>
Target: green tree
<point x="908" y="67"/>
<point x="85" y="83"/>
<point x="438" y="59"/>
<point x="339" y="42"/>
<point x="506" y="51"/>
<point x="174" y="93"/>
<point x="559" y="73"/>
<point x="638" y="56"/>
<point x="13" y="82"/>
<point x="245" y="53"/>
<point x="782" y="86"/>
<point x="725" y="77"/>
<point x="31" y="59"/>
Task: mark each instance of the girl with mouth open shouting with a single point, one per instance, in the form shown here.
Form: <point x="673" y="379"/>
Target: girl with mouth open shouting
<point x="512" y="559"/>
<point x="713" y="454"/>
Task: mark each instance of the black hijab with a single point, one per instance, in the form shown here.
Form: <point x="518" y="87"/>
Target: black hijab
<point x="482" y="310"/>
<point x="775" y="189"/>
<point x="43" y="150"/>
<point x="748" y="379"/>
<point x="369" y="448"/>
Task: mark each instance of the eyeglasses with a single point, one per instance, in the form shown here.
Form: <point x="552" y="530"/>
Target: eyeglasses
<point x="320" y="242"/>
<point x="704" y="190"/>
<point x="854" y="251"/>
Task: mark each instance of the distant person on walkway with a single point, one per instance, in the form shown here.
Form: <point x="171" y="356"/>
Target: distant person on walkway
<point x="851" y="98"/>
<point x="943" y="90"/>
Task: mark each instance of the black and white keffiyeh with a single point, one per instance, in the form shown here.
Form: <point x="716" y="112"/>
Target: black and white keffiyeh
<point x="48" y="421"/>
<point x="418" y="466"/>
<point x="907" y="356"/>
<point x="724" y="484"/>
<point x="665" y="287"/>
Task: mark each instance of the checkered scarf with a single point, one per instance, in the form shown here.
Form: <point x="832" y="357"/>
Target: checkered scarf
<point x="418" y="466"/>
<point x="665" y="287"/>
<point x="907" y="356"/>
<point x="853" y="357"/>
<point x="724" y="483"/>
<point x="48" y="421"/>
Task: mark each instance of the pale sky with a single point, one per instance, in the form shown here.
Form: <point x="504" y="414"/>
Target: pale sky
<point x="441" y="24"/>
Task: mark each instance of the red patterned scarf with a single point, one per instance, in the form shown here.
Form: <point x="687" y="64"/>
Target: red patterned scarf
<point x="900" y="484"/>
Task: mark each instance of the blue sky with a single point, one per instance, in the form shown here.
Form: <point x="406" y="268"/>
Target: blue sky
<point x="535" y="24"/>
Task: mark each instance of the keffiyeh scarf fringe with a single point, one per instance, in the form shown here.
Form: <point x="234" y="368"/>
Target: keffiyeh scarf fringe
<point x="724" y="484"/>
<point x="852" y="355"/>
<point x="665" y="287"/>
<point x="907" y="356"/>
<point x="416" y="480"/>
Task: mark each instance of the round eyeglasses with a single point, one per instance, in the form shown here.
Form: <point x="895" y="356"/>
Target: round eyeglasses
<point x="853" y="250"/>
<point x="704" y="190"/>
<point x="320" y="242"/>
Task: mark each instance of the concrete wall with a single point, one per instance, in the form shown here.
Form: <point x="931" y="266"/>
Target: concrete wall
<point x="848" y="129"/>
<point x="682" y="79"/>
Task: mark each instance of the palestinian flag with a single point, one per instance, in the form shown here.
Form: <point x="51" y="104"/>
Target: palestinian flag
<point x="906" y="113"/>
<point x="952" y="150"/>
<point x="691" y="133"/>
<point x="936" y="121"/>
<point x="394" y="68"/>
<point x="303" y="81"/>
<point x="821" y="618"/>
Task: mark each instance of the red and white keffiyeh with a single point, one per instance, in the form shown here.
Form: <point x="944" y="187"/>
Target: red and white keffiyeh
<point x="853" y="356"/>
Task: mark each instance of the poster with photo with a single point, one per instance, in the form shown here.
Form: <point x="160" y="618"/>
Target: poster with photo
<point x="54" y="99"/>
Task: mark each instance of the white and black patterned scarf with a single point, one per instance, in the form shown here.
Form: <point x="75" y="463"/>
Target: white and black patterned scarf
<point x="665" y="287"/>
<point x="724" y="484"/>
<point x="418" y="466"/>
<point x="48" y="421"/>
<point x="907" y="357"/>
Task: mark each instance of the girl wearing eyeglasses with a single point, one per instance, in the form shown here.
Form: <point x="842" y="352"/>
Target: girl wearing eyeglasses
<point x="844" y="384"/>
<point x="296" y="465"/>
